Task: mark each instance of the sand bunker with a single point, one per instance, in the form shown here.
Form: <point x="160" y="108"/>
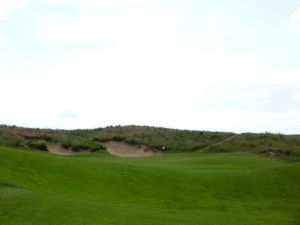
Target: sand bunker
<point x="57" y="149"/>
<point x="125" y="150"/>
<point x="113" y="147"/>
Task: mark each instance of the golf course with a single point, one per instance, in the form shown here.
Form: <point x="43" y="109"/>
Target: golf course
<point x="191" y="188"/>
<point x="149" y="112"/>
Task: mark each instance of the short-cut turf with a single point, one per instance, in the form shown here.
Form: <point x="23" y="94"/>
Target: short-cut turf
<point x="37" y="188"/>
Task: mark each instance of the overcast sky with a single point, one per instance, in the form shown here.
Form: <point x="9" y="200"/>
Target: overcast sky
<point x="225" y="65"/>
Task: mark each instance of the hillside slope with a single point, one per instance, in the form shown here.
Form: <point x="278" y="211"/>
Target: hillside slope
<point x="276" y="145"/>
<point x="153" y="138"/>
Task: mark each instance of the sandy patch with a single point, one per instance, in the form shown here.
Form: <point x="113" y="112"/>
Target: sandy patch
<point x="57" y="149"/>
<point x="125" y="150"/>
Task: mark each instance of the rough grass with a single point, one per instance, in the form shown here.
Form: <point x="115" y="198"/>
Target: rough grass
<point x="278" y="145"/>
<point x="154" y="137"/>
<point x="37" y="188"/>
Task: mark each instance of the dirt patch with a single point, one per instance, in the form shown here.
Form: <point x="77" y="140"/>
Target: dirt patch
<point x="57" y="149"/>
<point x="125" y="150"/>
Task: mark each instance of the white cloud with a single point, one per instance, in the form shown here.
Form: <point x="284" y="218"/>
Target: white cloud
<point x="294" y="22"/>
<point x="130" y="25"/>
<point x="150" y="73"/>
<point x="219" y="23"/>
<point x="90" y="4"/>
<point x="2" y="37"/>
<point x="99" y="100"/>
<point x="67" y="115"/>
<point x="151" y="85"/>
<point x="146" y="42"/>
<point x="7" y="7"/>
<point x="32" y="15"/>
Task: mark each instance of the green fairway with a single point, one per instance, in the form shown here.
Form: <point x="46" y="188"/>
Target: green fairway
<point x="37" y="188"/>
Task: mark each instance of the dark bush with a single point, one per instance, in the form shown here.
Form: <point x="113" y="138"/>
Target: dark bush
<point x="46" y="137"/>
<point x="102" y="139"/>
<point x="131" y="142"/>
<point x="118" y="138"/>
<point x="200" y="146"/>
<point x="217" y="149"/>
<point x="76" y="149"/>
<point x="97" y="139"/>
<point x="84" y="146"/>
<point x="98" y="147"/>
<point x="66" y="145"/>
<point x="40" y="145"/>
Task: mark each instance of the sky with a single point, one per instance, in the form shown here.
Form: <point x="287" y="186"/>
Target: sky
<point x="225" y="65"/>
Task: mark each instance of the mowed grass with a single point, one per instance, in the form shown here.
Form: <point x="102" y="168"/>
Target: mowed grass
<point x="37" y="188"/>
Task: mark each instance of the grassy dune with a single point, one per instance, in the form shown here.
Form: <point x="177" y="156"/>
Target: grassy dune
<point x="37" y="188"/>
<point x="171" y="140"/>
<point x="276" y="145"/>
<point x="154" y="137"/>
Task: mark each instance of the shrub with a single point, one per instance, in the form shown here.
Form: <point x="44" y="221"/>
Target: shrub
<point x="199" y="146"/>
<point x="217" y="149"/>
<point x="66" y="145"/>
<point x="75" y="149"/>
<point x="96" y="139"/>
<point x="17" y="143"/>
<point x="98" y="147"/>
<point x="131" y="142"/>
<point x="84" y="146"/>
<point x="118" y="138"/>
<point x="46" y="137"/>
<point x="40" y="145"/>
